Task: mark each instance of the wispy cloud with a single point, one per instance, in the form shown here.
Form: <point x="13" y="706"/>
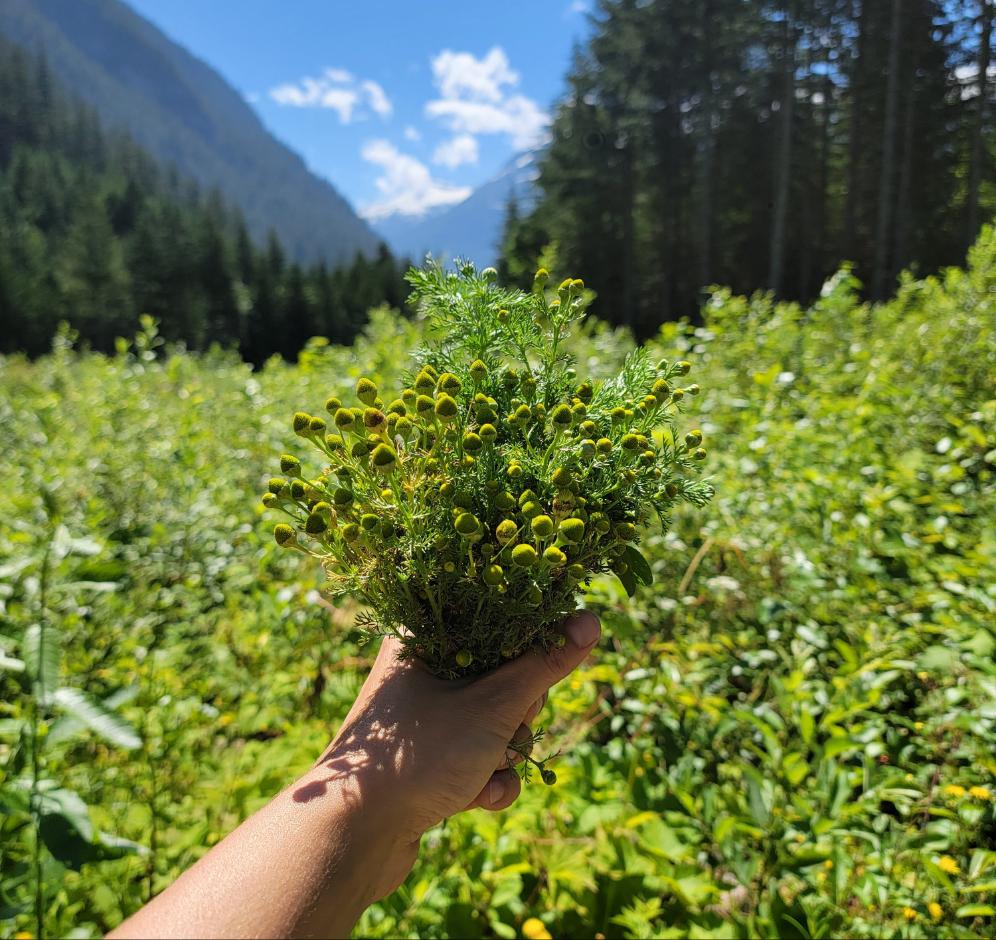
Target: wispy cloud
<point x="474" y="98"/>
<point x="456" y="151"/>
<point x="337" y="90"/>
<point x="406" y="185"/>
<point x="412" y="133"/>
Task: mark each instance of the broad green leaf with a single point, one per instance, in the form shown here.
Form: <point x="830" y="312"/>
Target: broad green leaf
<point x="628" y="580"/>
<point x="41" y="654"/>
<point x="110" y="726"/>
<point x="638" y="564"/>
<point x="976" y="910"/>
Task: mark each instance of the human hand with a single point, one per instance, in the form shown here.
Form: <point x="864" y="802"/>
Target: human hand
<point x="415" y="749"/>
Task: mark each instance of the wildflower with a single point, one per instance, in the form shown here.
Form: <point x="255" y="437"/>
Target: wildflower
<point x="909" y="914"/>
<point x="342" y="497"/>
<point x="693" y="438"/>
<point x="948" y="865"/>
<point x="524" y="556"/>
<point x="315" y="524"/>
<point x="693" y="389"/>
<point x="472" y="442"/>
<point x="424" y="382"/>
<point x="297" y="489"/>
<point x="575" y="571"/>
<point x="542" y="526"/>
<point x="316" y="425"/>
<point x="677" y="394"/>
<point x="625" y="531"/>
<point x="540" y="278"/>
<point x="534" y="595"/>
<point x="269" y="500"/>
<point x="369" y="521"/>
<point x="404" y="426"/>
<point x="506" y="532"/>
<point x="332" y="404"/>
<point x="514" y="470"/>
<point x="373" y="419"/>
<point x="301" y="422"/>
<point x="980" y="793"/>
<point x="505" y="501"/>
<point x="449" y="383"/>
<point x="283" y="534"/>
<point x="359" y="450"/>
<point x="630" y="442"/>
<point x="350" y="531"/>
<point x="603" y="445"/>
<point x="953" y="789"/>
<point x="488" y="433"/>
<point x="531" y="509"/>
<point x="464" y="659"/>
<point x="493" y="575"/>
<point x="478" y="370"/>
<point x="572" y="529"/>
<point x="935" y="910"/>
<point x="290" y="465"/>
<point x="344" y="419"/>
<point x="549" y="778"/>
<point x="700" y="453"/>
<point x="684" y="367"/>
<point x="467" y="524"/>
<point x="554" y="556"/>
<point x="561" y="417"/>
<point x="384" y="458"/>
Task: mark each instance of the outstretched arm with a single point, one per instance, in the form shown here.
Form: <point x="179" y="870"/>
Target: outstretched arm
<point x="413" y="750"/>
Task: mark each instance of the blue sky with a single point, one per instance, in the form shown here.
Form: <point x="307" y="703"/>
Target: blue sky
<point x="403" y="106"/>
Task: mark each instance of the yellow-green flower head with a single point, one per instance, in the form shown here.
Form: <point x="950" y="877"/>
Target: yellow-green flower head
<point x="301" y="422"/>
<point x="447" y="489"/>
<point x="618" y="414"/>
<point x="587" y="448"/>
<point x="562" y="477"/>
<point x="485" y="413"/>
<point x="344" y="419"/>
<point x="332" y="404"/>
<point x="276" y="485"/>
<point x="575" y="571"/>
<point x="467" y="524"/>
<point x="579" y="411"/>
<point x="490" y="274"/>
<point x="290" y="465"/>
<point x="693" y="389"/>
<point x="392" y="421"/>
<point x="505" y="501"/>
<point x="671" y="489"/>
<point x="493" y="575"/>
<point x="677" y="394"/>
<point x="630" y="442"/>
<point x="528" y="386"/>
<point x="384" y="458"/>
<point x="684" y="367"/>
<point x="350" y="531"/>
<point x="424" y="405"/>
<point x="478" y="370"/>
<point x="542" y="526"/>
<point x="408" y="396"/>
<point x="625" y="530"/>
<point x="297" y="489"/>
<point x="342" y="497"/>
<point x="503" y="315"/>
<point x="700" y="453"/>
<point x="647" y="457"/>
<point x="554" y="556"/>
<point x="514" y="471"/>
<point x="464" y="659"/>
<point x="315" y="524"/>
<point x="472" y="443"/>
<point x="531" y="509"/>
<point x="585" y="392"/>
<point x="283" y="534"/>
<point x="588" y="428"/>
<point x="366" y="391"/>
<point x="425" y="382"/>
<point x="445" y="407"/>
<point x="369" y="521"/>
<point x="600" y="522"/>
<point x="488" y="433"/>
<point x="386" y="529"/>
<point x="449" y="383"/>
<point x="373" y="419"/>
<point x="397" y="407"/>
<point x="510" y="378"/>
<point x="561" y="417"/>
<point x="661" y="390"/>
<point x="522" y="414"/>
<point x="431" y="370"/>
<point x="506" y="531"/>
<point x="404" y="426"/>
<point x="333" y="442"/>
<point x="603" y="445"/>
<point x="541" y="277"/>
<point x="269" y="500"/>
<point x="693" y="438"/>
<point x="359" y="450"/>
<point x="316" y="425"/>
<point x="572" y="530"/>
<point x="565" y="285"/>
<point x="526" y="496"/>
<point x="577" y="285"/>
<point x="524" y="556"/>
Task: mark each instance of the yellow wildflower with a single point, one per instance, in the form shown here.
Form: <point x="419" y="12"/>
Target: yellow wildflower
<point x="23" y="935"/>
<point x="909" y="913"/>
<point x="948" y="865"/>
<point x="952" y="789"/>
<point x="918" y="726"/>
<point x="980" y="793"/>
<point x="535" y="929"/>
<point x="935" y="910"/>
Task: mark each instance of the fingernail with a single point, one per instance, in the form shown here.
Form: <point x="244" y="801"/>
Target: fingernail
<point x="496" y="790"/>
<point x="582" y="629"/>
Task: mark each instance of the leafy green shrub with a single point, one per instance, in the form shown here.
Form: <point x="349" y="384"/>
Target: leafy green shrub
<point x="467" y="513"/>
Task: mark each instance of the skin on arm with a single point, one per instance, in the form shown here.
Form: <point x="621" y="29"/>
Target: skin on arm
<point x="413" y="750"/>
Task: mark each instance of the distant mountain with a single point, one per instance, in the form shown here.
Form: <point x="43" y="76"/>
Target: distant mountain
<point x="471" y="229"/>
<point x="184" y="113"/>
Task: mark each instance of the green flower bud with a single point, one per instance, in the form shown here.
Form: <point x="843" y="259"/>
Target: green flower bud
<point x="366" y="391"/>
<point x="373" y="419"/>
<point x="386" y="529"/>
<point x="359" y="450"/>
<point x="630" y="442"/>
<point x="548" y="776"/>
<point x="369" y="521"/>
<point x="447" y="489"/>
<point x="397" y="407"/>
<point x="526" y="496"/>
<point x="488" y="433"/>
<point x="587" y="448"/>
<point x="540" y="278"/>
<point x="648" y="457"/>
<point x="625" y="530"/>
<point x="693" y="438"/>
<point x="528" y="386"/>
<point x="301" y="423"/>
<point x="350" y="531"/>
<point x="523" y="414"/>
<point x="618" y="415"/>
<point x="425" y="382"/>
<point x="424" y="405"/>
<point x="585" y="392"/>
<point x="408" y="397"/>
<point x="677" y="394"/>
<point x="297" y="489"/>
<point x="332" y="405"/>
<point x="333" y="442"/>
<point x="464" y="501"/>
<point x="684" y="367"/>
<point x="514" y="471"/>
<point x="603" y="445"/>
<point x="524" y="555"/>
<point x="554" y="556"/>
<point x="693" y="389"/>
<point x="404" y="426"/>
<point x="575" y="571"/>
<point x="660" y="390"/>
<point x="572" y="530"/>
<point x="384" y="458"/>
<point x="503" y="316"/>
<point x="342" y="497"/>
<point x="445" y="407"/>
<point x="449" y="383"/>
<point x="700" y="454"/>
<point x="315" y="524"/>
<point x="283" y="534"/>
<point x="316" y="425"/>
<point x="344" y="419"/>
<point x="531" y="509"/>
<point x="671" y="489"/>
<point x="269" y="500"/>
<point x="561" y="417"/>
<point x="505" y="501"/>
<point x="467" y="524"/>
<point x="493" y="575"/>
<point x="506" y="531"/>
<point x="276" y="485"/>
<point x="478" y="370"/>
<point x="472" y="442"/>
<point x="562" y="477"/>
<point x="629" y="476"/>
<point x="510" y="378"/>
<point x="464" y="659"/>
<point x="542" y="526"/>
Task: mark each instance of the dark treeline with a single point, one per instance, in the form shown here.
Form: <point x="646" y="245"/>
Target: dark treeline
<point x="94" y="232"/>
<point x="758" y="144"/>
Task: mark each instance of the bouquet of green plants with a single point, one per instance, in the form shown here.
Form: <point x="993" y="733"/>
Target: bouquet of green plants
<point x="467" y="513"/>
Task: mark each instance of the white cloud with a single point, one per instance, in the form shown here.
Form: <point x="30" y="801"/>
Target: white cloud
<point x="337" y="90"/>
<point x="406" y="185"/>
<point x="412" y="133"/>
<point x="577" y="6"/>
<point x="474" y="98"/>
<point x="456" y="151"/>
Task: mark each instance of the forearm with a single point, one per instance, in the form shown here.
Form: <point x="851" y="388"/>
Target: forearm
<point x="307" y="864"/>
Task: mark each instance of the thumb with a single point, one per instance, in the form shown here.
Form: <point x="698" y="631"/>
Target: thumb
<point x="525" y="679"/>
